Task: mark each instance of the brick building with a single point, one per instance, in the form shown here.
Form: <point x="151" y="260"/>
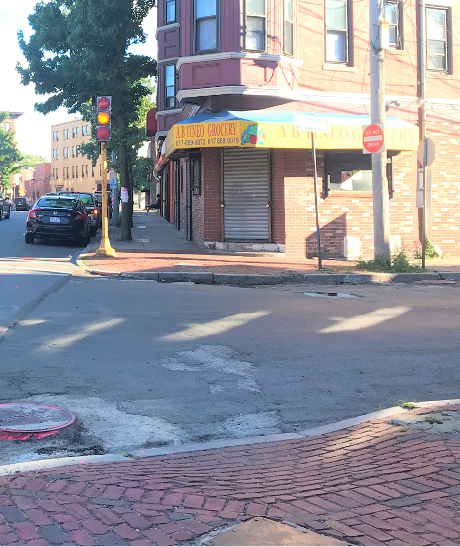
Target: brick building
<point x="70" y="170"/>
<point x="233" y="75"/>
<point x="40" y="184"/>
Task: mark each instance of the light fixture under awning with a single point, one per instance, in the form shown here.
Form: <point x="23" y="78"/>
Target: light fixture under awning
<point x="276" y="129"/>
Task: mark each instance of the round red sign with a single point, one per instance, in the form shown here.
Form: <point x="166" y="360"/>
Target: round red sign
<point x="373" y="139"/>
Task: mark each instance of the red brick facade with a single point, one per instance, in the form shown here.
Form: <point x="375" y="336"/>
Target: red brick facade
<point x="318" y="86"/>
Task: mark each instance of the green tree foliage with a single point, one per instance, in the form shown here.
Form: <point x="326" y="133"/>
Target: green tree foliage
<point x="10" y="157"/>
<point x="29" y="160"/>
<point x="79" y="50"/>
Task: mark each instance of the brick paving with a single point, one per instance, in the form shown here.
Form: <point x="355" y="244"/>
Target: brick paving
<point x="371" y="484"/>
<point x="129" y="261"/>
<point x="158" y="247"/>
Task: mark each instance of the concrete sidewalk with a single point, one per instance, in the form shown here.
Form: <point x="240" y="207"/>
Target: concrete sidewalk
<point x="160" y="252"/>
<point x="385" y="481"/>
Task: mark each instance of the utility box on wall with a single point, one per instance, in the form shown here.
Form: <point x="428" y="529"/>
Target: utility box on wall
<point x="351" y="247"/>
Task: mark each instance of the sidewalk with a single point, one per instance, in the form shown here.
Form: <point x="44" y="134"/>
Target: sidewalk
<point x="374" y="483"/>
<point x="159" y="251"/>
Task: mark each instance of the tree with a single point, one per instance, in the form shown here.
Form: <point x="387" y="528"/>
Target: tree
<point x="30" y="160"/>
<point x="10" y="157"/>
<point x="79" y="50"/>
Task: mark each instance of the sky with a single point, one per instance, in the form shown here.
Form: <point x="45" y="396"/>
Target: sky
<point x="33" y="130"/>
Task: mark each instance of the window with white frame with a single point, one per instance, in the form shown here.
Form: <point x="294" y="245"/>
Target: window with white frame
<point x="438" y="42"/>
<point x="288" y="41"/>
<point x="54" y="154"/>
<point x="54" y="136"/>
<point x="63" y="134"/>
<point x="64" y="153"/>
<point x="57" y="135"/>
<point x="73" y="151"/>
<point x="337" y="16"/>
<point x="57" y="153"/>
<point x="254" y="26"/>
<point x="170" y="86"/>
<point x="82" y="130"/>
<point x="73" y="132"/>
<point x="393" y="16"/>
<point x="205" y="25"/>
<point x="169" y="12"/>
<point x="76" y="131"/>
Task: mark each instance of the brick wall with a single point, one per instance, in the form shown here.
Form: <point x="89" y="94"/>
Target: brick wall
<point x="342" y="213"/>
<point x="444" y="215"/>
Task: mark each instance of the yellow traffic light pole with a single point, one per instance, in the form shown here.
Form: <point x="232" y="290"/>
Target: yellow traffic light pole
<point x="105" y="249"/>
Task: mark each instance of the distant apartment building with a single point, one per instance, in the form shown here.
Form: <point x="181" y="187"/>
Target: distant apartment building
<point x="40" y="184"/>
<point x="236" y="173"/>
<point x="70" y="170"/>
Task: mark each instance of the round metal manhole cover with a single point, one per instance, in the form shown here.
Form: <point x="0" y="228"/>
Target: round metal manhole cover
<point x="33" y="418"/>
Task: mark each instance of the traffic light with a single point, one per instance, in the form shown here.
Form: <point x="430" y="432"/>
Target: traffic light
<point x="103" y="118"/>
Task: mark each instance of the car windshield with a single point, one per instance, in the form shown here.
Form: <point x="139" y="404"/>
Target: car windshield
<point x="87" y="199"/>
<point x="57" y="203"/>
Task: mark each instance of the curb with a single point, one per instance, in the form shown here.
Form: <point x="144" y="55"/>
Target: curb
<point x="246" y="280"/>
<point x="38" y="465"/>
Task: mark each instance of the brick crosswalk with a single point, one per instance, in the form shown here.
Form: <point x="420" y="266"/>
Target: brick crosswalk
<point x="371" y="484"/>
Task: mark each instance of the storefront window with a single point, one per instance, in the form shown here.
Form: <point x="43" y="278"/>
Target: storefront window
<point x="351" y="171"/>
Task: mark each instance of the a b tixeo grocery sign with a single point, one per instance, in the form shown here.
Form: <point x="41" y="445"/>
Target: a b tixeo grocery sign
<point x="246" y="134"/>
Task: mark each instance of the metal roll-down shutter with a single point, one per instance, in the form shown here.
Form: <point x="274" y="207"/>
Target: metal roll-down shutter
<point x="246" y="194"/>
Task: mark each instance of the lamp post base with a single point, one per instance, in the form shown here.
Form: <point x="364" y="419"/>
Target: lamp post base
<point x="105" y="248"/>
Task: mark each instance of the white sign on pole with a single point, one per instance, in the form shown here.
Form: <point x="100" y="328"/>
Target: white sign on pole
<point x="124" y="195"/>
<point x="310" y="123"/>
<point x="420" y="188"/>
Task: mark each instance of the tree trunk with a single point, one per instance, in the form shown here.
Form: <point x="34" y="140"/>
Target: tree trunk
<point x="130" y="187"/>
<point x="125" y="208"/>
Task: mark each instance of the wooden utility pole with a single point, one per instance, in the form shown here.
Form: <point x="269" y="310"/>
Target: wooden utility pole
<point x="379" y="159"/>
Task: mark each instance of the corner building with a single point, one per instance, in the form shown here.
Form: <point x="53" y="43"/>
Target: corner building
<point x="234" y="75"/>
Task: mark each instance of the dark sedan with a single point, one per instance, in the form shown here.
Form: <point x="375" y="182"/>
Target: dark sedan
<point x="57" y="217"/>
<point x="21" y="204"/>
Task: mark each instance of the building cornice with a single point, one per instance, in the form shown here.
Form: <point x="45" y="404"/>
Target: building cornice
<point x="166" y="27"/>
<point x="311" y="96"/>
<point x="169" y="112"/>
<point x="280" y="59"/>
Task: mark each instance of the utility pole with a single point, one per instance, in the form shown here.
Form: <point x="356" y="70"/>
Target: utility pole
<point x="423" y="120"/>
<point x="379" y="159"/>
<point x="105" y="248"/>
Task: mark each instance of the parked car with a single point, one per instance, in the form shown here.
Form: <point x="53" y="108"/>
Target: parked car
<point x="5" y="206"/>
<point x="58" y="217"/>
<point x="91" y="207"/>
<point x="98" y="195"/>
<point x="21" y="204"/>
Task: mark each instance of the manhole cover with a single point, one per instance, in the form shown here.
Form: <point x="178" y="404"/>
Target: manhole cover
<point x="33" y="418"/>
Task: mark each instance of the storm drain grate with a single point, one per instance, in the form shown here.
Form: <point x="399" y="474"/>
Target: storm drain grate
<point x="33" y="418"/>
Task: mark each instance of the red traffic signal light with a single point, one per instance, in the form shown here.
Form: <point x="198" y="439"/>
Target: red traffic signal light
<point x="103" y="118"/>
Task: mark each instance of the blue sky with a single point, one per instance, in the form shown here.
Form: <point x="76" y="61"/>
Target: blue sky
<point x="32" y="128"/>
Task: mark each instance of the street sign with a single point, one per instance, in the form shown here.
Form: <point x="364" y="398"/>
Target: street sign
<point x="310" y="123"/>
<point x="426" y="152"/>
<point x="113" y="179"/>
<point x="373" y="138"/>
<point x="420" y="188"/>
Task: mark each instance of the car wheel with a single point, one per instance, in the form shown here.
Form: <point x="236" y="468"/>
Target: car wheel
<point x="29" y="238"/>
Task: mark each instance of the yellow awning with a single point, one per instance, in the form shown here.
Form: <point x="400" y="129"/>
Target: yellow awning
<point x="276" y="129"/>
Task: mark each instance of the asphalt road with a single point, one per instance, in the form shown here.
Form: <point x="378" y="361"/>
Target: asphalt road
<point x="145" y="364"/>
<point x="29" y="272"/>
